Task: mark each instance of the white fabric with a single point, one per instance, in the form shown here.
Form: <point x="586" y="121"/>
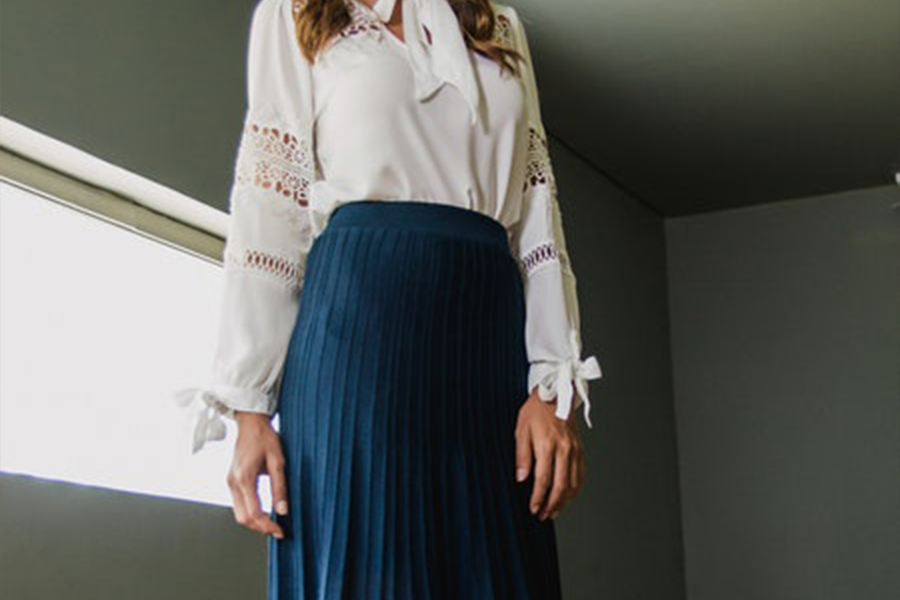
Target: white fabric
<point x="442" y="59"/>
<point x="366" y="120"/>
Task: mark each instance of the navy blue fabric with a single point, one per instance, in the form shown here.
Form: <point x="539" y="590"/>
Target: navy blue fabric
<point x="399" y="398"/>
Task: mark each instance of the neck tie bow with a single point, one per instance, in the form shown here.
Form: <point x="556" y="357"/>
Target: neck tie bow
<point x="446" y="59"/>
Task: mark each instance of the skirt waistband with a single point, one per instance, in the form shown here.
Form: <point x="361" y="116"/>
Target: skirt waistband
<point x="418" y="215"/>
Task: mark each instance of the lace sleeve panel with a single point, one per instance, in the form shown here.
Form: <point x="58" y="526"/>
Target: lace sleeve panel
<point x="553" y="321"/>
<point x="270" y="229"/>
<point x="269" y="233"/>
<point x="541" y="239"/>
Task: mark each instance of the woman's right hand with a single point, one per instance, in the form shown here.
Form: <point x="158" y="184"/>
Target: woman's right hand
<point x="257" y="451"/>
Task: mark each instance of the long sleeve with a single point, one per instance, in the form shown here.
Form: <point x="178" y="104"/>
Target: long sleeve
<point x="553" y="336"/>
<point x="269" y="233"/>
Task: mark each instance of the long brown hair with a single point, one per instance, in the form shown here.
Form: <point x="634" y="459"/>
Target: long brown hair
<point x="318" y="21"/>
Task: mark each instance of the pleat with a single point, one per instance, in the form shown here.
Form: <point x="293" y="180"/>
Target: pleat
<point x="404" y="376"/>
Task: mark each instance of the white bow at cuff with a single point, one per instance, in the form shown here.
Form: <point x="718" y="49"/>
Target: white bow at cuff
<point x="555" y="380"/>
<point x="206" y="412"/>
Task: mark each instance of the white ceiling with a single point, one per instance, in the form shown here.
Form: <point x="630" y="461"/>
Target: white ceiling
<point x="700" y="105"/>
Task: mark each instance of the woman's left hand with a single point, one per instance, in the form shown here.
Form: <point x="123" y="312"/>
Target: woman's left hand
<point x="556" y="447"/>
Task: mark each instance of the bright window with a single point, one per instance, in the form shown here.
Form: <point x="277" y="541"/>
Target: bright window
<point x="99" y="325"/>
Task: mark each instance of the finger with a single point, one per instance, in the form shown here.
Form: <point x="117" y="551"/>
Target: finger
<point x="242" y="512"/>
<point x="578" y="471"/>
<point x="543" y="471"/>
<point x="561" y="467"/>
<point x="275" y="467"/>
<point x="523" y="453"/>
<point x="255" y="519"/>
<point x="264" y="523"/>
<point x="574" y="467"/>
<point x="571" y="488"/>
<point x="237" y="499"/>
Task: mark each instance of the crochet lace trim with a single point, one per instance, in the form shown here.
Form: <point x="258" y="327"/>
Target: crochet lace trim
<point x="361" y="21"/>
<point x="538" y="168"/>
<point x="539" y="178"/>
<point x="279" y="163"/>
<point x="503" y="32"/>
<point x="364" y="19"/>
<point x="287" y="272"/>
<point x="543" y="254"/>
<point x="274" y="159"/>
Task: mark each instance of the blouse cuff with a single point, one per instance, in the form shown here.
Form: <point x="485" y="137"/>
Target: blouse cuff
<point x="208" y="406"/>
<point x="555" y="379"/>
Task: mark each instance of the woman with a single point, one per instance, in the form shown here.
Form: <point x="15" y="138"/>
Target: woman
<point x="393" y="175"/>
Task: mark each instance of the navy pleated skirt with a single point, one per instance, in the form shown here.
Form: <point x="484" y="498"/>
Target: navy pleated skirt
<point x="398" y="404"/>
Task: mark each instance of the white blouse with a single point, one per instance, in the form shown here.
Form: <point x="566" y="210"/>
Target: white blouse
<point x="378" y="118"/>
